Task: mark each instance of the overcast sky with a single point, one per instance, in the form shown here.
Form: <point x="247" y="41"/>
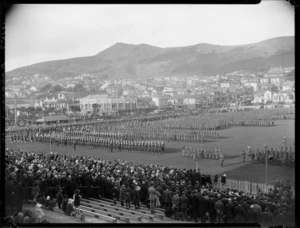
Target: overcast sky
<point x="37" y="33"/>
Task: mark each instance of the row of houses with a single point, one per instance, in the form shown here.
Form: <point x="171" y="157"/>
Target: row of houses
<point x="266" y="96"/>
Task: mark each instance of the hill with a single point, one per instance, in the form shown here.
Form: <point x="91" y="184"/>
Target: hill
<point x="142" y="61"/>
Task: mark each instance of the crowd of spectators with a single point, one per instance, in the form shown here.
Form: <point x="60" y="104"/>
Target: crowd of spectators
<point x="51" y="179"/>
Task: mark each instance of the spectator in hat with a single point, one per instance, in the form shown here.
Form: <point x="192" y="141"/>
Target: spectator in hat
<point x="239" y="214"/>
<point x="76" y="200"/>
<point x="229" y="211"/>
<point x="183" y="205"/>
<point x="59" y="198"/>
<point x="251" y="215"/>
<point x="257" y="210"/>
<point x="64" y="203"/>
<point x="167" y="197"/>
<point x="280" y="219"/>
<point x="115" y="194"/>
<point x="152" y="195"/>
<point x="51" y="203"/>
<point x="194" y="203"/>
<point x="219" y="209"/>
<point x="127" y="195"/>
<point x="122" y="192"/>
<point x="136" y="197"/>
<point x="175" y="204"/>
<point x="267" y="218"/>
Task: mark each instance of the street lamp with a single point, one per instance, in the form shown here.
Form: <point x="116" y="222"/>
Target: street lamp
<point x="266" y="157"/>
<point x="50" y="141"/>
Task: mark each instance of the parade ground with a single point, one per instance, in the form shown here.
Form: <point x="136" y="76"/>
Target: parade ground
<point x="232" y="142"/>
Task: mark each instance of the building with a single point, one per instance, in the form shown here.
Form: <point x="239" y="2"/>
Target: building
<point x="161" y="101"/>
<point x="276" y="81"/>
<point x="264" y="81"/>
<point x="53" y="119"/>
<point x="20" y="102"/>
<point x="259" y="97"/>
<point x="268" y="96"/>
<point x="276" y="72"/>
<point x="106" y="103"/>
<point x="287" y="85"/>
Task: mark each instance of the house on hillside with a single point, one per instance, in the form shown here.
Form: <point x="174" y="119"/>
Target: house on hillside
<point x="160" y="101"/>
<point x="268" y="96"/>
<point x="276" y="81"/>
<point x="264" y="81"/>
<point x="287" y="85"/>
<point x="259" y="97"/>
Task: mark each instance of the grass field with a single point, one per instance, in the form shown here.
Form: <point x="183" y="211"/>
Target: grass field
<point x="231" y="142"/>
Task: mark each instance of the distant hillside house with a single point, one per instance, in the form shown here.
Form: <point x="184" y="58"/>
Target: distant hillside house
<point x="160" y="101"/>
<point x="225" y="84"/>
<point x="275" y="81"/>
<point x="259" y="97"/>
<point x="288" y="85"/>
<point x="21" y="102"/>
<point x="264" y="81"/>
<point x="107" y="103"/>
<point x="53" y="119"/>
<point x="276" y="72"/>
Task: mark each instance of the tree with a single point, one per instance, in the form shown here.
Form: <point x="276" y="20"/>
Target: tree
<point x="56" y="88"/>
<point x="75" y="108"/>
<point x="46" y="87"/>
<point x="78" y="88"/>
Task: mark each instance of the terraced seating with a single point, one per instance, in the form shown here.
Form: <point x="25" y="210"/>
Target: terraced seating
<point x="125" y="216"/>
<point x="94" y="214"/>
<point x="120" y="210"/>
<point x="143" y="211"/>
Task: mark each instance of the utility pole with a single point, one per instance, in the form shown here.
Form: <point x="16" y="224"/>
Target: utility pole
<point x="16" y="117"/>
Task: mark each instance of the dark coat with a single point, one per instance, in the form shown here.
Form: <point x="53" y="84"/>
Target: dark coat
<point x="64" y="204"/>
<point x="239" y="215"/>
<point x="69" y="209"/>
<point x="183" y="202"/>
<point x="127" y="194"/>
<point x="267" y="219"/>
<point x="194" y="202"/>
<point x="136" y="197"/>
<point x="219" y="207"/>
<point x="59" y="198"/>
<point x="252" y="216"/>
<point x="203" y="204"/>
<point x="229" y="210"/>
<point x="167" y="196"/>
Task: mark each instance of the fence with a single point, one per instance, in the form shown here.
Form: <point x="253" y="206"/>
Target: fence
<point x="245" y="186"/>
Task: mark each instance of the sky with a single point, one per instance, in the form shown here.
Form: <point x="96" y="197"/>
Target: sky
<point x="38" y="33"/>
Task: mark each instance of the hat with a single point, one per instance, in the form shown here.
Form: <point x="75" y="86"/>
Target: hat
<point x="38" y="205"/>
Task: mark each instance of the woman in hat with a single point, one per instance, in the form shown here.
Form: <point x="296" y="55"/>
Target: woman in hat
<point x="76" y="200"/>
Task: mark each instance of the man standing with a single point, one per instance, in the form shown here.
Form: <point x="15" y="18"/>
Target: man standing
<point x="222" y="159"/>
<point x="152" y="194"/>
<point x="219" y="208"/>
<point x="183" y="203"/>
<point x="243" y="154"/>
<point x="175" y="205"/>
<point x="167" y="197"/>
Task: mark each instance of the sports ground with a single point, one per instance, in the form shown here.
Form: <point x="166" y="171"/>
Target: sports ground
<point x="232" y="141"/>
